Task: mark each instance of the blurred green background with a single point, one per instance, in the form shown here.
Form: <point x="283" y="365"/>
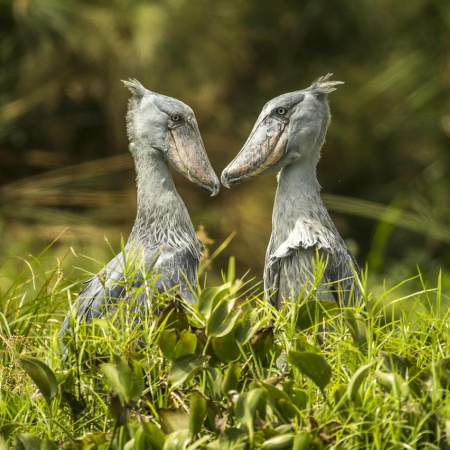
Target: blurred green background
<point x="64" y="160"/>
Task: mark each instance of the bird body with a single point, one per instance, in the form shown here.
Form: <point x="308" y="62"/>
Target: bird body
<point x="288" y="136"/>
<point x="162" y="244"/>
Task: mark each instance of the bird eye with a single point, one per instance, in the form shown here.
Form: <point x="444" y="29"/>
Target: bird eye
<point x="175" y="117"/>
<point x="281" y="111"/>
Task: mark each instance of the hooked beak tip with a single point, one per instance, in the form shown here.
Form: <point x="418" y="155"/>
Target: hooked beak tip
<point x="224" y="179"/>
<point x="216" y="188"/>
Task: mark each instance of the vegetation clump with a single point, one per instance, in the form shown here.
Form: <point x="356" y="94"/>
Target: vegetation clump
<point x="229" y="372"/>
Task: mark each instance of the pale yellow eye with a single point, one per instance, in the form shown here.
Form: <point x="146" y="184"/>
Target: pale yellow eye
<point x="281" y="111"/>
<point x="175" y="117"/>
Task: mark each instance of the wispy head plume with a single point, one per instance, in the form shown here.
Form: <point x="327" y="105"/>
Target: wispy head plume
<point x="135" y="87"/>
<point x="323" y="86"/>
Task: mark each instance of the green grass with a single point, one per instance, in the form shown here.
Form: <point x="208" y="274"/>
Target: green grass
<point x="228" y="372"/>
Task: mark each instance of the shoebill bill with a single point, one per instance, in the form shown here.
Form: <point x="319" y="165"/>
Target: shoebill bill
<point x="288" y="137"/>
<point x="162" y="252"/>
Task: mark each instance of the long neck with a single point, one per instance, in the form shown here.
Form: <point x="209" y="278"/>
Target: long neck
<point x="298" y="200"/>
<point x="161" y="214"/>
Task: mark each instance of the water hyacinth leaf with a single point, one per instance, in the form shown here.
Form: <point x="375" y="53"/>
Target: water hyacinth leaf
<point x="154" y="434"/>
<point x="42" y="376"/>
<point x="186" y="344"/>
<point x="313" y="312"/>
<point x="302" y="441"/>
<point x="210" y="297"/>
<point x="218" y="325"/>
<point x="356" y="381"/>
<point x="225" y="347"/>
<point x="197" y="413"/>
<point x="283" y="442"/>
<point x="231" y="379"/>
<point x="184" y="368"/>
<point x="173" y="419"/>
<point x="313" y="366"/>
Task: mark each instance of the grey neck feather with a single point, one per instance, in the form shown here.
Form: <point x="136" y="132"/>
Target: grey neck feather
<point x="298" y="204"/>
<point x="162" y="218"/>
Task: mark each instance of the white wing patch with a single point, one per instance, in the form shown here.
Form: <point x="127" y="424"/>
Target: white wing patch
<point x="306" y="233"/>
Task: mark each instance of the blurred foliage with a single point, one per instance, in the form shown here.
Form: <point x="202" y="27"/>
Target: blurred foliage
<point x="63" y="146"/>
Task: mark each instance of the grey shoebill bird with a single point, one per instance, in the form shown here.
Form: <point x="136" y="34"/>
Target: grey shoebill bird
<point x="289" y="135"/>
<point x="161" y="130"/>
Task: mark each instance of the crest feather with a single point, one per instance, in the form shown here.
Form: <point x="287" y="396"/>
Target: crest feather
<point x="323" y="86"/>
<point x="135" y="87"/>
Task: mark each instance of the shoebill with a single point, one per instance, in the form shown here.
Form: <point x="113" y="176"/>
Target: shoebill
<point x="288" y="136"/>
<point x="162" y="250"/>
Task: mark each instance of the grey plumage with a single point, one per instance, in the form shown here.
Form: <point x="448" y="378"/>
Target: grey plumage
<point x="162" y="244"/>
<point x="288" y="136"/>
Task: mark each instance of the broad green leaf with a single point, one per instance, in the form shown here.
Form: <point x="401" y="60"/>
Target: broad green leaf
<point x="226" y="348"/>
<point x="280" y="401"/>
<point x="26" y="441"/>
<point x="283" y="442"/>
<point x="302" y="441"/>
<point x="215" y="379"/>
<point x="313" y="366"/>
<point x="210" y="297"/>
<point x="166" y="341"/>
<point x="184" y="368"/>
<point x="3" y="445"/>
<point x="301" y="345"/>
<point x="313" y="312"/>
<point x="356" y="381"/>
<point x="127" y="383"/>
<point x="177" y="440"/>
<point x="219" y="322"/>
<point x="246" y="406"/>
<point x="42" y="376"/>
<point x="47" y="444"/>
<point x="262" y="342"/>
<point x="154" y="434"/>
<point x="231" y="379"/>
<point x="173" y="419"/>
<point x="197" y="413"/>
<point x="297" y="394"/>
<point x="186" y="344"/>
<point x="8" y="428"/>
